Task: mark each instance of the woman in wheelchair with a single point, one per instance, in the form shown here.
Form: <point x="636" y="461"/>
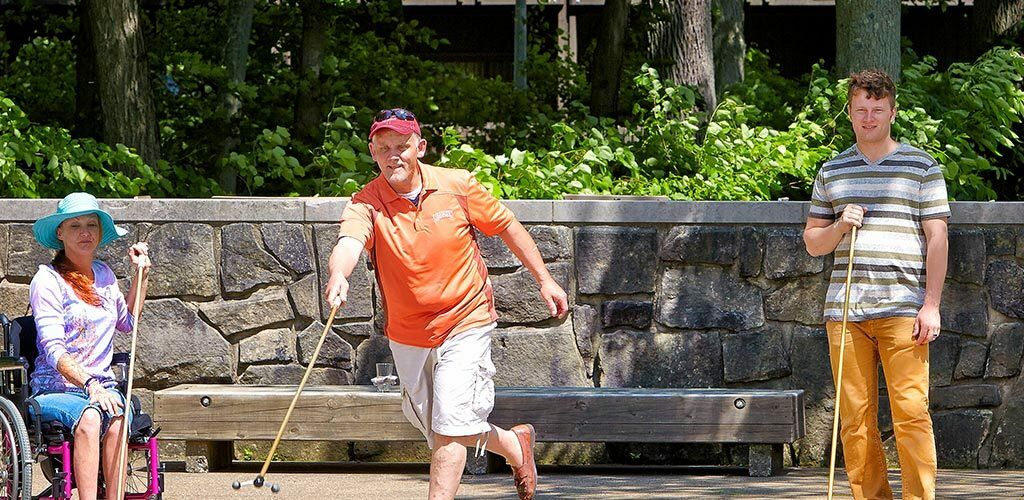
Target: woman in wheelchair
<point x="78" y="307"/>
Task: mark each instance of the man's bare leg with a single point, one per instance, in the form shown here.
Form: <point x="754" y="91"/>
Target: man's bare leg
<point x="448" y="458"/>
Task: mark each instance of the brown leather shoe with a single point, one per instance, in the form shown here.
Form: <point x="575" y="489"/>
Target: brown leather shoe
<point x="526" y="474"/>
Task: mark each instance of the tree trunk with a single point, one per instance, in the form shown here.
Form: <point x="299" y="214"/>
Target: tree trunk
<point x="129" y="116"/>
<point x="992" y="19"/>
<point x="519" y="54"/>
<point x="236" y="58"/>
<point x="607" y="70"/>
<point x="730" y="45"/>
<point x="868" y="36"/>
<point x="87" y="106"/>
<point x="683" y="41"/>
<point x="315" y="23"/>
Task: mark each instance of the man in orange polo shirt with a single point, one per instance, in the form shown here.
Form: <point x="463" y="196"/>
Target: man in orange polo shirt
<point x="416" y="221"/>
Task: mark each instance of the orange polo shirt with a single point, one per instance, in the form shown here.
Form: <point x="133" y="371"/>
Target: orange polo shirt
<point x="425" y="257"/>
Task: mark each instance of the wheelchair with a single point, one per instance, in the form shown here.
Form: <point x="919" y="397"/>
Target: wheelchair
<point x="26" y="440"/>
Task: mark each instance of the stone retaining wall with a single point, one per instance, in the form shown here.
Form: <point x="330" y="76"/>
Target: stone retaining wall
<point x="663" y="294"/>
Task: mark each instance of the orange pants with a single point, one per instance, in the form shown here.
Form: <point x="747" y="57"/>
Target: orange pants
<point x="905" y="365"/>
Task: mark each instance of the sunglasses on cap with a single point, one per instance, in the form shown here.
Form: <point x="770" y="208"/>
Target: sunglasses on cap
<point x="401" y="114"/>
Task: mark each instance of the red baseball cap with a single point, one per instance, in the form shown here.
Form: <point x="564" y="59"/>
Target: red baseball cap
<point x="398" y="120"/>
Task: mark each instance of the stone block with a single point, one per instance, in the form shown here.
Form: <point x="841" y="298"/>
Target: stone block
<point x="967" y="256"/>
<point x="587" y="329"/>
<point x="553" y="242"/>
<point x="786" y="256"/>
<point x="305" y="297"/>
<point x="972" y="360"/>
<point x="812" y="370"/>
<point x="335" y="353"/>
<point x="942" y="358"/>
<point x="14" y="299"/>
<point x="965" y="396"/>
<point x="702" y="245"/>
<point x="709" y="297"/>
<point x="517" y="296"/>
<point x="1007" y="444"/>
<point x="959" y="435"/>
<point x="115" y="254"/>
<point x="356" y="330"/>
<point x="537" y="357"/>
<point x="644" y="359"/>
<point x="24" y="255"/>
<point x="369" y="352"/>
<point x="290" y="245"/>
<point x="1000" y="241"/>
<point x="751" y="251"/>
<point x="799" y="300"/>
<point x="262" y="309"/>
<point x="292" y="375"/>
<point x="755" y="355"/>
<point x="631" y="313"/>
<point x="360" y="282"/>
<point x="1005" y="282"/>
<point x="964" y="310"/>
<point x="245" y="264"/>
<point x="175" y="347"/>
<point x="184" y="263"/>
<point x="616" y="260"/>
<point x="1005" y="351"/>
<point x="275" y="345"/>
<point x="3" y="250"/>
<point x="495" y="253"/>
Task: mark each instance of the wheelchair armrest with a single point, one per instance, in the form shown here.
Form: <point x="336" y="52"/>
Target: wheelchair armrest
<point x="37" y="418"/>
<point x="5" y="325"/>
<point x="121" y="358"/>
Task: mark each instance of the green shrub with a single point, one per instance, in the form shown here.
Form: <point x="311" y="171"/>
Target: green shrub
<point x="765" y="140"/>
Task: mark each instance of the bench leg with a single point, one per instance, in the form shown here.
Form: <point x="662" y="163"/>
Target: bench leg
<point x="486" y="464"/>
<point x="765" y="460"/>
<point x="206" y="456"/>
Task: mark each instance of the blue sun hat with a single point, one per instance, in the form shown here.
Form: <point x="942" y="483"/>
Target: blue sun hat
<point x="74" y="205"/>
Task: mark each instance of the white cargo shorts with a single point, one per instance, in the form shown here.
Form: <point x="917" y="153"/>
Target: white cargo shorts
<point x="448" y="389"/>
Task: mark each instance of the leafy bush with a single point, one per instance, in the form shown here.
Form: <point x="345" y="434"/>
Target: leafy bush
<point x="765" y="140"/>
<point x="660" y="152"/>
<point x="43" y="161"/>
<point x="41" y="78"/>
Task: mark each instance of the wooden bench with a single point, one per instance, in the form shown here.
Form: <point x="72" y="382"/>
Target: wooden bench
<point x="210" y="417"/>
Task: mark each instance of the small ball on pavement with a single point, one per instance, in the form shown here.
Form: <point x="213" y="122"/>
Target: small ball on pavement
<point x="236" y="485"/>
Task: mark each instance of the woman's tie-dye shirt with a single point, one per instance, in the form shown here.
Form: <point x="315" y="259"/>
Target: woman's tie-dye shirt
<point x="66" y="325"/>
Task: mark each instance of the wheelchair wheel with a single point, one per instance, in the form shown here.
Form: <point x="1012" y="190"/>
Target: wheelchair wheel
<point x="139" y="475"/>
<point x="15" y="454"/>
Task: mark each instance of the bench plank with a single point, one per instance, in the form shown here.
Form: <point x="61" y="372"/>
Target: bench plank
<point x="209" y="417"/>
<point x="356" y="413"/>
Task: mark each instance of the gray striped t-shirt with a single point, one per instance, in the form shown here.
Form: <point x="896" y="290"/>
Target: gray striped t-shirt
<point x="898" y="191"/>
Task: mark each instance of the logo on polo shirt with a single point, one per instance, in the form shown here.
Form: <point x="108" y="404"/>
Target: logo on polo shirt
<point x="443" y="214"/>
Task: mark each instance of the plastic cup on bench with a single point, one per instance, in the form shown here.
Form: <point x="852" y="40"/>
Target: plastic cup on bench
<point x="385" y="377"/>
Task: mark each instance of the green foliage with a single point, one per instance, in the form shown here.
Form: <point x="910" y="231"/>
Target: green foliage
<point x="44" y="161"/>
<point x="765" y="140"/>
<point x="777" y="97"/>
<point x="41" y="79"/>
<point x="965" y="117"/>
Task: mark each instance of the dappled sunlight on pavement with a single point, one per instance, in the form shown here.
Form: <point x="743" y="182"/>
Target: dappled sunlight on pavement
<point x="368" y="483"/>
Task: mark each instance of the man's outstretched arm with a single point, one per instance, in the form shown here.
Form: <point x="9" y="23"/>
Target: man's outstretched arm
<point x="522" y="244"/>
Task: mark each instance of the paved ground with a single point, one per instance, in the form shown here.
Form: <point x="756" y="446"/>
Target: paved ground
<point x="401" y="482"/>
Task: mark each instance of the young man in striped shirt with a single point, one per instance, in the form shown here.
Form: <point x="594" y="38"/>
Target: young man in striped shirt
<point x="896" y="195"/>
